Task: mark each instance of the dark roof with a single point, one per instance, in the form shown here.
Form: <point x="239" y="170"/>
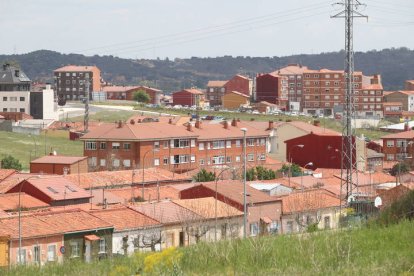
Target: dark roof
<point x="8" y="75"/>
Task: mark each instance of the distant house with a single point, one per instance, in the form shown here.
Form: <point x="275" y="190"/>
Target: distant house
<point x="187" y="97"/>
<point x="409" y="85"/>
<point x="127" y="93"/>
<point x="10" y="202"/>
<point x="234" y="100"/>
<point x="272" y="189"/>
<point x="272" y="88"/>
<point x="54" y="190"/>
<point x="59" y="164"/>
<point x="216" y="89"/>
<point x="266" y="107"/>
<point x="406" y="97"/>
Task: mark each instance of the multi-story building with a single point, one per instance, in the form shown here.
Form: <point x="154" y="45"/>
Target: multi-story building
<point x="405" y="97"/>
<point x="294" y="74"/>
<point x="272" y="88"/>
<point x="217" y="89"/>
<point x="14" y="90"/>
<point x="398" y="146"/>
<point x="70" y="81"/>
<point x="324" y="93"/>
<point x="409" y="85"/>
<point x="188" y="97"/>
<point x="174" y="147"/>
<point x="43" y="104"/>
<point x="127" y="93"/>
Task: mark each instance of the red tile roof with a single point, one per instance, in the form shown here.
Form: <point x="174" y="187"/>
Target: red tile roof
<point x="292" y="69"/>
<point x="125" y="218"/>
<point x="4" y="173"/>
<point x="150" y="193"/>
<point x="400" y="135"/>
<point x="205" y="207"/>
<point x="216" y="83"/>
<point x="123" y="178"/>
<point x="239" y="94"/>
<point x="10" y="202"/>
<point x="58" y="159"/>
<point x="75" y="68"/>
<point x="309" y="200"/>
<point x="311" y="128"/>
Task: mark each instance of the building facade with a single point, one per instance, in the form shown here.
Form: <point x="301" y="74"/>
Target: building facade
<point x="188" y="97"/>
<point x="234" y="100"/>
<point x="398" y="146"/>
<point x="406" y="98"/>
<point x="217" y="89"/>
<point x="409" y="85"/>
<point x="43" y="102"/>
<point x="127" y="93"/>
<point x="14" y="90"/>
<point x="70" y="81"/>
<point x="272" y="88"/>
<point x="172" y="147"/>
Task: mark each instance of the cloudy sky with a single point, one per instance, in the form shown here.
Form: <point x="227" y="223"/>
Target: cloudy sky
<point x="202" y="28"/>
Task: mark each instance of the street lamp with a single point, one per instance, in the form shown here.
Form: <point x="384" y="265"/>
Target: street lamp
<point x="132" y="185"/>
<point x="35" y="144"/>
<point x="290" y="159"/>
<point x="301" y="176"/>
<point x="143" y="171"/>
<point x="217" y="178"/>
<point x="244" y="183"/>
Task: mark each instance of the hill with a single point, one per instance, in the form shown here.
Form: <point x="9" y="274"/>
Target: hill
<point x="395" y="66"/>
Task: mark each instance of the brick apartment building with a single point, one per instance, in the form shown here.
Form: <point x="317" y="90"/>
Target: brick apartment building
<point x="398" y="146"/>
<point x="217" y="89"/>
<point x="405" y="97"/>
<point x="70" y="81"/>
<point x="187" y="97"/>
<point x="324" y="93"/>
<point x="294" y="74"/>
<point x="14" y="90"/>
<point x="272" y="88"/>
<point x="172" y="147"/>
<point x="58" y="164"/>
<point x="127" y="93"/>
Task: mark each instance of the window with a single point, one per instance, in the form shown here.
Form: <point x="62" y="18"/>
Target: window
<point x="193" y="159"/>
<point x="90" y="145"/>
<point x="75" y="251"/>
<point x="183" y="158"/>
<point x="390" y="143"/>
<point x="115" y="163"/>
<point x="250" y="142"/>
<point x="22" y="99"/>
<point x="238" y="158"/>
<point x="36" y="254"/>
<point x="263" y="141"/>
<point x="156" y="146"/>
<point x="200" y="146"/>
<point x="180" y="143"/>
<point x="156" y="161"/>
<point x="102" y="162"/>
<point x="390" y="157"/>
<point x="102" y="245"/>
<point x="21" y="258"/>
<point x="22" y="110"/>
<point x="254" y="229"/>
<point x="165" y="146"/>
<point x="289" y="227"/>
<point x="228" y="159"/>
<point x="201" y="162"/>
<point x="237" y="143"/>
<point x="193" y="143"/>
<point x="92" y="161"/>
<point x="165" y="161"/>
<point x="13" y="99"/>
<point x="102" y="145"/>
<point x="13" y="109"/>
<point x="116" y="146"/>
<point x="126" y="163"/>
<point x="327" y="222"/>
<point x="218" y="144"/>
<point x="51" y="253"/>
<point x="67" y="81"/>
<point x="262" y="156"/>
<point x="4" y="99"/>
<point x="250" y="157"/>
<point x="228" y="144"/>
<point x="127" y="146"/>
<point x="218" y="160"/>
<point x="327" y="83"/>
<point x="273" y="227"/>
<point x="327" y="76"/>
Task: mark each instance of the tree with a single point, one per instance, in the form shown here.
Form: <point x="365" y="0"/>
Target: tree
<point x="295" y="170"/>
<point x="400" y="168"/>
<point x="204" y="176"/>
<point x="9" y="162"/>
<point x="260" y="173"/>
<point x="141" y="96"/>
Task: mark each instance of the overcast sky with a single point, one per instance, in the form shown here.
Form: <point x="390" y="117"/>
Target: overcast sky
<point x="202" y="28"/>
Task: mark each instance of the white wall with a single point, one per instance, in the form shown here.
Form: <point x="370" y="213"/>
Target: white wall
<point x="15" y="104"/>
<point x="49" y="104"/>
<point x="133" y="234"/>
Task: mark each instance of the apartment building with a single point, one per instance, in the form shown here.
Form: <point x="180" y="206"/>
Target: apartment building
<point x="272" y="88"/>
<point x="324" y="93"/>
<point x="14" y="90"/>
<point x="294" y="74"/>
<point x="70" y="81"/>
<point x="216" y="89"/>
<point x="405" y="97"/>
<point x="398" y="146"/>
<point x="173" y="147"/>
<point x="43" y="102"/>
<point x="188" y="97"/>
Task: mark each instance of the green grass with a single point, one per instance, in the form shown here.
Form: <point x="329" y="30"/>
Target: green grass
<point x="365" y="251"/>
<point x="22" y="146"/>
<point x="107" y="116"/>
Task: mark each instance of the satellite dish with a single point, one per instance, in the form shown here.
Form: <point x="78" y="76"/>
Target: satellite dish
<point x="351" y="198"/>
<point x="378" y="202"/>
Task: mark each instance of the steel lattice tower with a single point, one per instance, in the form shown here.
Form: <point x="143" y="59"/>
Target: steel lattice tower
<point x="349" y="176"/>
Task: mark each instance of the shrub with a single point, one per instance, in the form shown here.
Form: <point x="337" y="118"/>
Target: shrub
<point x="204" y="176"/>
<point x="9" y="162"/>
<point x="164" y="261"/>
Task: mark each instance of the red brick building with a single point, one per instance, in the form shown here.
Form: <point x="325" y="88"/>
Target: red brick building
<point x="398" y="146"/>
<point x="127" y="93"/>
<point x="173" y="147"/>
<point x="271" y="88"/>
<point x="187" y="97"/>
<point x="57" y="164"/>
<point x="393" y="109"/>
<point x="217" y="89"/>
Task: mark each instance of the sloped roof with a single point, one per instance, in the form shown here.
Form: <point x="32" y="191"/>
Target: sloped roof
<point x="205" y="207"/>
<point x="237" y="93"/>
<point x="292" y="69"/>
<point x="76" y="68"/>
<point x="58" y="159"/>
<point x="311" y="128"/>
<point x="123" y="178"/>
<point x="308" y="200"/>
<point x="4" y="173"/>
<point x="11" y="201"/>
<point x="216" y="83"/>
<point x="150" y="193"/>
<point x="8" y="75"/>
<point x="125" y="218"/>
<point x="400" y="135"/>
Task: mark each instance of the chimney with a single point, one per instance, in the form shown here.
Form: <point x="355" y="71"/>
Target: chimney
<point x="170" y="121"/>
<point x="234" y="122"/>
<point x="226" y="125"/>
<point x="119" y="124"/>
<point x="198" y="124"/>
<point x="189" y="127"/>
<point x="316" y="123"/>
<point x="139" y="121"/>
<point x="270" y="125"/>
<point x="132" y="122"/>
<point x="17" y="73"/>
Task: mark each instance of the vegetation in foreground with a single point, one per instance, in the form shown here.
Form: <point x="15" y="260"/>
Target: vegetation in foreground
<point x="365" y="251"/>
<point x="24" y="147"/>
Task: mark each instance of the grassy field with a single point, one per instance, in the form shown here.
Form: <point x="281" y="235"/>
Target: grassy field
<point x="22" y="146"/>
<point x="366" y="251"/>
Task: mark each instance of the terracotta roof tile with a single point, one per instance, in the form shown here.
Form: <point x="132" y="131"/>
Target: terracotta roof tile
<point x="400" y="135"/>
<point x="11" y="202"/>
<point x="238" y="93"/>
<point x="216" y="83"/>
<point x="4" y="173"/>
<point x="150" y="193"/>
<point x="58" y="159"/>
<point x="308" y="200"/>
<point x="311" y="128"/>
<point x="75" y="68"/>
<point x="295" y="69"/>
<point x="205" y="207"/>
